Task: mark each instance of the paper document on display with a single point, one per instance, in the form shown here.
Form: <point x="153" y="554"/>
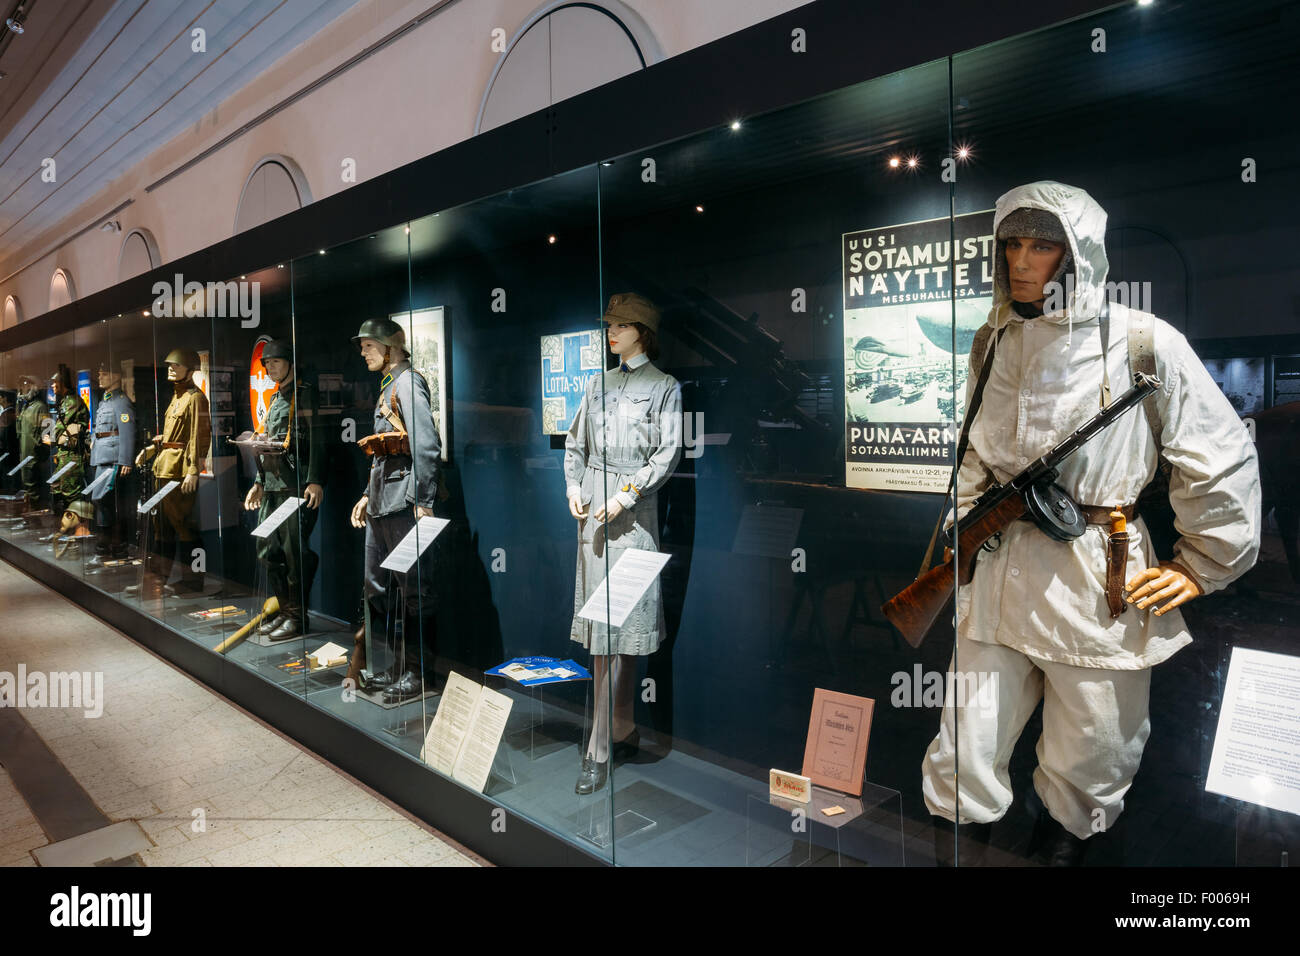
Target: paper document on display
<point x="14" y="469"/>
<point x="276" y="517"/>
<point x="1256" y="754"/>
<point x="466" y="731"/>
<point x="402" y="557"/>
<point x="623" y="587"/>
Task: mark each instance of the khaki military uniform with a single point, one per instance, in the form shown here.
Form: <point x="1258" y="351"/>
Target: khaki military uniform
<point x="184" y="445"/>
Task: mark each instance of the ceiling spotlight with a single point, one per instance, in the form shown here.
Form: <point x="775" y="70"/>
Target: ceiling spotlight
<point x="893" y="162"/>
<point x="607" y="162"/>
<point x="110" y="225"/>
<point x="1141" y="3"/>
<point x="15" y="23"/>
<point x="699" y="209"/>
<point x="912" y="162"/>
<point x="408" y="230"/>
<point x="551" y="239"/>
<point x="280" y="265"/>
<point x="735" y="124"/>
<point x="146" y="313"/>
<point x="321" y="251"/>
<point x="3" y="74"/>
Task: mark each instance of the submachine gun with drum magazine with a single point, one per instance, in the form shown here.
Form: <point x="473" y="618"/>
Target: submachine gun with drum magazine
<point x="1033" y="492"/>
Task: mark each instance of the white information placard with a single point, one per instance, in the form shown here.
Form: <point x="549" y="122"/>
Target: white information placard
<point x="276" y="517"/>
<point x="474" y="764"/>
<point x="768" y="531"/>
<point x="402" y="557"/>
<point x="163" y="492"/>
<point x="1256" y="754"/>
<point x="451" y="723"/>
<point x="630" y="577"/>
<point x="14" y="469"/>
<point x="99" y="482"/>
<point x="67" y="466"/>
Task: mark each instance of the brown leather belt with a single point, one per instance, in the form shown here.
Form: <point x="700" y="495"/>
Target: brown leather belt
<point x="105" y="434"/>
<point x="1096" y="514"/>
<point x="171" y="444"/>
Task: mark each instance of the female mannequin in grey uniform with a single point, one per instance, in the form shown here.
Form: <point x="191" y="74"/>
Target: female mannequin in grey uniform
<point x="622" y="446"/>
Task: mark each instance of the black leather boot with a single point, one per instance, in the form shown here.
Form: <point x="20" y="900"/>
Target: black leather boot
<point x="1053" y="845"/>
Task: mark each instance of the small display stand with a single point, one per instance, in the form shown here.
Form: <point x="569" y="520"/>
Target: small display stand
<point x="782" y="832"/>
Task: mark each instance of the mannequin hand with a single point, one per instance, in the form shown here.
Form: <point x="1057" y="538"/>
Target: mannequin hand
<point x="313" y="494"/>
<point x="253" y="500"/>
<point x="575" y="507"/>
<point x="607" y="512"/>
<point x="1165" y="587"/>
<point x="189" y="483"/>
<point x="124" y="470"/>
<point x="422" y="512"/>
<point x="359" y="512"/>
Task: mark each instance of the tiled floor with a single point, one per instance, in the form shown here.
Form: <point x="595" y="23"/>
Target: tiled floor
<point x="208" y="783"/>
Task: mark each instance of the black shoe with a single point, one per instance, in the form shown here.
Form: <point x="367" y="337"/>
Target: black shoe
<point x="404" y="688"/>
<point x="289" y="627"/>
<point x="270" y="624"/>
<point x="592" y="776"/>
<point x="627" y="748"/>
<point x="1053" y="845"/>
<point x="377" y="682"/>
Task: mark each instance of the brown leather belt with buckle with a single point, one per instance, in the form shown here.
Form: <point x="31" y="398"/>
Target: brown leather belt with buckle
<point x="1116" y="550"/>
<point x="171" y="444"/>
<point x="105" y="434"/>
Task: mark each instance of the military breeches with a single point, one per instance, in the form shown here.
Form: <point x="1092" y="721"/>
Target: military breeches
<point x="414" y="589"/>
<point x="290" y="562"/>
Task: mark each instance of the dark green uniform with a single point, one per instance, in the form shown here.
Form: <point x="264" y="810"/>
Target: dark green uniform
<point x="71" y="446"/>
<point x="32" y="415"/>
<point x="293" y="420"/>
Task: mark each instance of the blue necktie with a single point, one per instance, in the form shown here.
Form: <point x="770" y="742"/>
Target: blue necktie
<point x="623" y="366"/>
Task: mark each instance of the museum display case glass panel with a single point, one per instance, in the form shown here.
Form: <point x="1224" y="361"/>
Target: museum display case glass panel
<point x="799" y="262"/>
<point x="505" y="327"/>
<point x="1166" y="116"/>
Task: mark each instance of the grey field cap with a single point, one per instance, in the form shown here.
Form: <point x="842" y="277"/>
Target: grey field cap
<point x="1027" y="223"/>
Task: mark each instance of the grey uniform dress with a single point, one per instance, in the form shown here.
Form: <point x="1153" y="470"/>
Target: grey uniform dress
<point x="627" y="431"/>
<point x="112" y="448"/>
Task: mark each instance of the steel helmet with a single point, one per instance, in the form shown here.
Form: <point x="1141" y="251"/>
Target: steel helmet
<point x="276" y="349"/>
<point x="384" y="331"/>
<point x="187" y="357"/>
<point x="82" y="509"/>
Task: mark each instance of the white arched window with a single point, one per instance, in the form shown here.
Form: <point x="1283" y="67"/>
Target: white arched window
<point x="275" y="187"/>
<point x="13" y="312"/>
<point x="139" y="254"/>
<point x="62" y="291"/>
<point x="565" y="48"/>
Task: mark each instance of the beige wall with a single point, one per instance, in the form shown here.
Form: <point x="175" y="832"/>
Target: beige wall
<point x="414" y="97"/>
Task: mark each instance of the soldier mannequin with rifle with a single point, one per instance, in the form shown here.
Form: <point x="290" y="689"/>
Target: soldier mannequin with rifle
<point x="1066" y="602"/>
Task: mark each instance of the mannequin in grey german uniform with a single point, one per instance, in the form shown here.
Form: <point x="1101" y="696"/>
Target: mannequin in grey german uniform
<point x="401" y="488"/>
<point x="625" y="441"/>
<point x="294" y="466"/>
<point x="112" y="450"/>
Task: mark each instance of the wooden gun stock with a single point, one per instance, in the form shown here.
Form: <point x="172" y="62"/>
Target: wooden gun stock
<point x="915" y="609"/>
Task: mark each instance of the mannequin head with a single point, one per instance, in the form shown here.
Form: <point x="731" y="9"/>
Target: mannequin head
<point x="61" y="380"/>
<point x="108" y="378"/>
<point x="178" y="373"/>
<point x="181" y="364"/>
<point x="633" y="326"/>
<point x="376" y="355"/>
<point x="1031" y="264"/>
<point x="625" y="339"/>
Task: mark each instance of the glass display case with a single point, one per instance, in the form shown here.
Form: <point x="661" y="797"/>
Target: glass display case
<point x="587" y="495"/>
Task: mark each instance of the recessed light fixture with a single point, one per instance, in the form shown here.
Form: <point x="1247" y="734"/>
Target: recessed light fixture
<point x="551" y="239"/>
<point x="408" y="230"/>
<point x="607" y="162"/>
<point x="321" y="251"/>
<point x="146" y="312"/>
<point x="279" y="265"/>
<point x="735" y="124"/>
<point x="1141" y="3"/>
<point x="699" y="209"/>
<point x="15" y="23"/>
<point x="893" y="162"/>
<point x="913" y="162"/>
